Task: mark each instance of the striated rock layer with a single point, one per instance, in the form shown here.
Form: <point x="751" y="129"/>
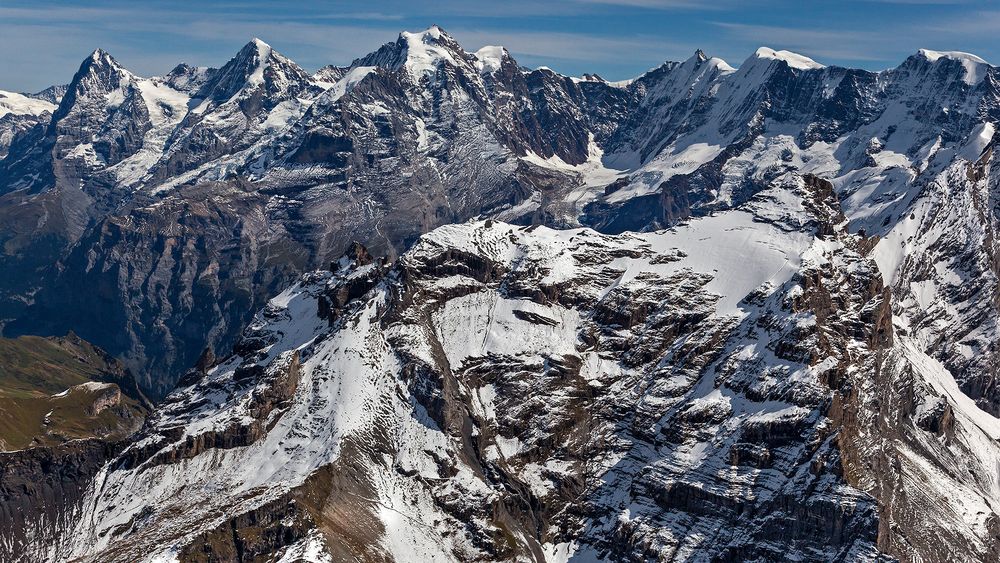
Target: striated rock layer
<point x="739" y="387"/>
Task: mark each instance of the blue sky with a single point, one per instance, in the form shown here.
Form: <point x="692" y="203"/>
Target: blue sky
<point x="42" y="42"/>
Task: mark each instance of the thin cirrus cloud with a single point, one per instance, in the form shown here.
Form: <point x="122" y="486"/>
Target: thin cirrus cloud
<point x="821" y="45"/>
<point x="660" y="4"/>
<point x="984" y="23"/>
<point x="42" y="42"/>
<point x="325" y="39"/>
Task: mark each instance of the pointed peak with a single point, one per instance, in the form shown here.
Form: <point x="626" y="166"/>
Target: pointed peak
<point x="697" y="59"/>
<point x="256" y="64"/>
<point x="99" y="63"/>
<point x="793" y="60"/>
<point x="255" y="47"/>
<point x="98" y="75"/>
<point x="100" y="57"/>
<point x="700" y="58"/>
<point x="51" y="94"/>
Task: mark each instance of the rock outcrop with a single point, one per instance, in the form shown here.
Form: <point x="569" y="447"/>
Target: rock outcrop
<point x="735" y="388"/>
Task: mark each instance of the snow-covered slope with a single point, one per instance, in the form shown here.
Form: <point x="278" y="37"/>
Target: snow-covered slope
<point x="19" y="104"/>
<point x="18" y="114"/>
<point x="505" y="392"/>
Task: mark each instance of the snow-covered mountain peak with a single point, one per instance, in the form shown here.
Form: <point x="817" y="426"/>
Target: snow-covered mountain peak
<point x="262" y="53"/>
<point x="99" y="62"/>
<point x="721" y="64"/>
<point x="259" y="44"/>
<point x="700" y="58"/>
<point x="257" y="64"/>
<point x="490" y="58"/>
<point x="253" y="57"/>
<point x="793" y="60"/>
<point x="330" y="74"/>
<point x="974" y="66"/>
<point x="101" y="56"/>
<point x="187" y="78"/>
<point x="100" y="76"/>
<point x="954" y="55"/>
<point x="51" y="94"/>
<point x="426" y="49"/>
<point x="419" y="53"/>
<point x="800" y="238"/>
<point x="434" y="32"/>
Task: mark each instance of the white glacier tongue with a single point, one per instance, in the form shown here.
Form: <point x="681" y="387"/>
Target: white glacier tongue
<point x="794" y="60"/>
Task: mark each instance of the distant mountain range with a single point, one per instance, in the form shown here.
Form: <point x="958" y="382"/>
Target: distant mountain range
<point x="437" y="306"/>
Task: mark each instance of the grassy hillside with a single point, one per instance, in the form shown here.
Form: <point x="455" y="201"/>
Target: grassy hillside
<point x="58" y="389"/>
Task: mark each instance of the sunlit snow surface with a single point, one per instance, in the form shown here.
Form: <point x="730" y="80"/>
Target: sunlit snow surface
<point x="19" y="104"/>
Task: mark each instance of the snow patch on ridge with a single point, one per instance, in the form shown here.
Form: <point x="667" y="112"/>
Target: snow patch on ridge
<point x="424" y="52"/>
<point x="263" y="53"/>
<point x="793" y="60"/>
<point x="973" y="65"/>
<point x="489" y="59"/>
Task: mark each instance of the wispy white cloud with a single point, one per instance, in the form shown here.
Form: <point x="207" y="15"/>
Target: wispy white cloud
<point x="40" y="44"/>
<point x="662" y="4"/>
<point x="362" y="16"/>
<point x="578" y="47"/>
<point x="848" y="45"/>
<point x="923" y="2"/>
<point x="978" y="23"/>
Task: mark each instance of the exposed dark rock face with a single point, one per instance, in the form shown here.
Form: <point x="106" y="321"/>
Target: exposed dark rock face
<point x="252" y="536"/>
<point x="205" y="253"/>
<point x="41" y="490"/>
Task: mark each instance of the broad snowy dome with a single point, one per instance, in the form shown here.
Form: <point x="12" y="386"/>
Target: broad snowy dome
<point x="794" y="60"/>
